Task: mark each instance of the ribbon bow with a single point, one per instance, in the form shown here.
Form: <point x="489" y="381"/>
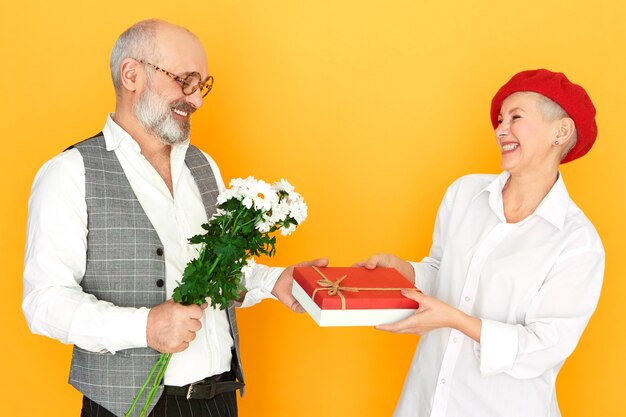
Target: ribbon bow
<point x="334" y="287"/>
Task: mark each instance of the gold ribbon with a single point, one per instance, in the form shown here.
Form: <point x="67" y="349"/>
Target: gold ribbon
<point x="334" y="288"/>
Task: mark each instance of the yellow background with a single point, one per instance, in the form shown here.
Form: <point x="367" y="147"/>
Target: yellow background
<point x="371" y="108"/>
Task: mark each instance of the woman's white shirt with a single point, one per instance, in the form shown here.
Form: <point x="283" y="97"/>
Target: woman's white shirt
<point x="534" y="284"/>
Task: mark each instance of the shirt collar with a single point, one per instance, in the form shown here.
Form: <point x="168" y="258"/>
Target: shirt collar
<point x="553" y="208"/>
<point x="115" y="136"/>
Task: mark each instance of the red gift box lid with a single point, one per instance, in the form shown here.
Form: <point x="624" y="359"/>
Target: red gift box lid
<point x="355" y="287"/>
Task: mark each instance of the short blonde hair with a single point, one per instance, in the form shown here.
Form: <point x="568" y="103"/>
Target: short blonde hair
<point x="551" y="111"/>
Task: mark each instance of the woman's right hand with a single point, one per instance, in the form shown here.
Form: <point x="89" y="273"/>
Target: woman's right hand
<point x="388" y="260"/>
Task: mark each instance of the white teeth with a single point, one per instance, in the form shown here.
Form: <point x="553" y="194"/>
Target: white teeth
<point x="510" y="146"/>
<point x="180" y="112"/>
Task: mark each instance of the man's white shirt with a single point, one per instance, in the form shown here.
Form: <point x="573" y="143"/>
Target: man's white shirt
<point x="56" y="246"/>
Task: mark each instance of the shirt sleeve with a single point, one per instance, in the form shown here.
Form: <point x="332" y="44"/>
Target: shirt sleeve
<point x="54" y="303"/>
<point x="260" y="283"/>
<point x="554" y="323"/>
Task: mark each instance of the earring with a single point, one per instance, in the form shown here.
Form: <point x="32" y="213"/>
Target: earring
<point x="556" y="143"/>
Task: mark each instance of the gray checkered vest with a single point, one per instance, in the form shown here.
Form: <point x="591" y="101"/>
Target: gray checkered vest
<point x="124" y="264"/>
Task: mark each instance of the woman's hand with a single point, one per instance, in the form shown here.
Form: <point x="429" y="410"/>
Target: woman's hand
<point x="434" y="314"/>
<point x="387" y="260"/>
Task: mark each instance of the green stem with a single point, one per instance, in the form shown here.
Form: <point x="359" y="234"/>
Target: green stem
<point x="239" y="213"/>
<point x="202" y="252"/>
<point x="156" y="384"/>
<point x="157" y="364"/>
<point x="214" y="265"/>
<point x="253" y="220"/>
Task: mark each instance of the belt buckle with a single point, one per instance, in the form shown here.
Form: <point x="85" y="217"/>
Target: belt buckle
<point x="190" y="390"/>
<point x="212" y="384"/>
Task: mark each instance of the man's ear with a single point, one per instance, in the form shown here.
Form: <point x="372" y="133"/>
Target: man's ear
<point x="131" y="75"/>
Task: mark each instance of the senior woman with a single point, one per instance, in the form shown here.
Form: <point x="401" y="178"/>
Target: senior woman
<point x="515" y="268"/>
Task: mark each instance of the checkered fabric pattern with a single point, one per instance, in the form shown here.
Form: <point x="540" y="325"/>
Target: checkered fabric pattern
<point x="124" y="263"/>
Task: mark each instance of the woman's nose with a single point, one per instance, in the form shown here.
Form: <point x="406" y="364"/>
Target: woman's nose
<point x="502" y="130"/>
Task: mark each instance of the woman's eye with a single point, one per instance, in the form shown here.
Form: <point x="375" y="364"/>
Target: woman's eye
<point x="516" y="116"/>
<point x="499" y="121"/>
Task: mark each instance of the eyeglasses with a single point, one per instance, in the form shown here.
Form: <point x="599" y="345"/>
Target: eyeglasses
<point x="189" y="82"/>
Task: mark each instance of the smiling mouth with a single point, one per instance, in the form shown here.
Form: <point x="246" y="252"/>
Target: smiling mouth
<point x="180" y="112"/>
<point x="510" y="147"/>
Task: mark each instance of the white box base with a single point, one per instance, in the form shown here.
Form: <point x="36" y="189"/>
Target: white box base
<point x="327" y="318"/>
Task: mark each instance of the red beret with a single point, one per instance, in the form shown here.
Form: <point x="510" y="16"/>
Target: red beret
<point x="571" y="97"/>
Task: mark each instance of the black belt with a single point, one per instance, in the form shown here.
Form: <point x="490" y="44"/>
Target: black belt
<point x="207" y="388"/>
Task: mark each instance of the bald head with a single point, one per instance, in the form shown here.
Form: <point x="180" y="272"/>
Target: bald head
<point x="150" y="40"/>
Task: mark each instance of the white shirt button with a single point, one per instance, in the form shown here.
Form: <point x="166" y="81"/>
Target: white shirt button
<point x="455" y="340"/>
<point x="443" y="380"/>
<point x="467" y="298"/>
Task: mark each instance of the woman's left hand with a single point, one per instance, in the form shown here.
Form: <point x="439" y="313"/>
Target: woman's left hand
<point x="434" y="314"/>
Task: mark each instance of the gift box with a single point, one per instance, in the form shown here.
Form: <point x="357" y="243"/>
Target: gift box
<point x="352" y="296"/>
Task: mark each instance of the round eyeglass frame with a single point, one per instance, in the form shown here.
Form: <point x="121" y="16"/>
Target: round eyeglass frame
<point x="189" y="82"/>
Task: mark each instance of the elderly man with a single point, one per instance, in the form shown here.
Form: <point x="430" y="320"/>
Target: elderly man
<point x="107" y="236"/>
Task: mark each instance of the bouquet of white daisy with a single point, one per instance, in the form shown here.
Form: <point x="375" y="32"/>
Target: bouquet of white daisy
<point x="248" y="214"/>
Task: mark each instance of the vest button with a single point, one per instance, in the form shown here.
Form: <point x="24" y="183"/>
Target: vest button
<point x="159" y="251"/>
<point x="160" y="283"/>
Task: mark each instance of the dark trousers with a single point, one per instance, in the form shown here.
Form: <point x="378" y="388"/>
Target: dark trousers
<point x="222" y="405"/>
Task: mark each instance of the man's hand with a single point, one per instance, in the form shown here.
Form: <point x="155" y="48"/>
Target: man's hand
<point x="172" y="326"/>
<point x="387" y="260"/>
<point x="282" y="288"/>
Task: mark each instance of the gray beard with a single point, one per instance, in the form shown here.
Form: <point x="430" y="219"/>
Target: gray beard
<point x="155" y="116"/>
